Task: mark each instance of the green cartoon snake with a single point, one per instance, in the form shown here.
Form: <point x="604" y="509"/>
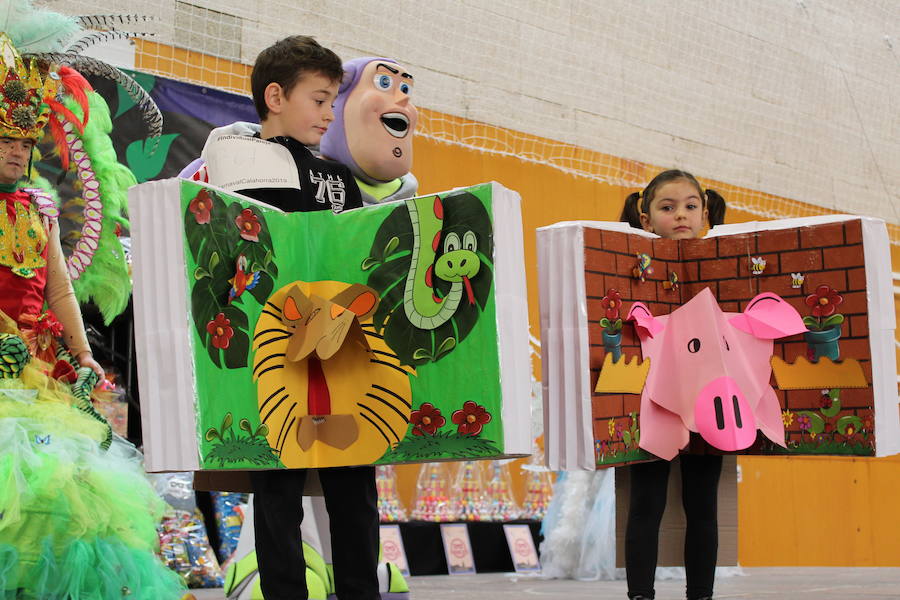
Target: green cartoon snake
<point x="457" y="265"/>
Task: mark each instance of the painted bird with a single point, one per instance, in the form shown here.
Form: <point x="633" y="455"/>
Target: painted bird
<point x="242" y="280"/>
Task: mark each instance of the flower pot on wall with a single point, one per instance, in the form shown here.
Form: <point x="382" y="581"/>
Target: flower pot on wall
<point x="612" y="342"/>
<point x="823" y="343"/>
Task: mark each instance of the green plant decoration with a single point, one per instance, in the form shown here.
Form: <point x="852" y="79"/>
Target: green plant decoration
<point x="227" y="244"/>
<point x="230" y="448"/>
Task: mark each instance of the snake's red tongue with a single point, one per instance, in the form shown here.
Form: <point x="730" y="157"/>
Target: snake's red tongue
<point x="469" y="291"/>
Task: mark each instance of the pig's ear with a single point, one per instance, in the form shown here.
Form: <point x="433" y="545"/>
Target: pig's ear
<point x="768" y="316"/>
<point x="644" y="321"/>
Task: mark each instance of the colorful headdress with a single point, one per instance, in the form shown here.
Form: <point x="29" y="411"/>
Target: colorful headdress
<point x="41" y="88"/>
<point x="26" y="92"/>
<point x="42" y="66"/>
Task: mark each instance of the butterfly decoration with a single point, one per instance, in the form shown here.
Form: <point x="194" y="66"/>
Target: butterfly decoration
<point x="672" y="282"/>
<point x="643" y="268"/>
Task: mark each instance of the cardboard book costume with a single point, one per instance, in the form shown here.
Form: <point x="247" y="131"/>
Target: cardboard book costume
<point x="388" y="334"/>
<point x="766" y="337"/>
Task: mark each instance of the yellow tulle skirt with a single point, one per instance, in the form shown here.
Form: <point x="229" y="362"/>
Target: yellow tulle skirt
<point x="76" y="522"/>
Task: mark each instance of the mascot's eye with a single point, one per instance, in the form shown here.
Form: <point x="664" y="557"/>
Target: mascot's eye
<point x="469" y="241"/>
<point x="383" y="82"/>
<point x="726" y="344"/>
<point x="404" y="87"/>
<point x="694" y="346"/>
<point x="451" y="243"/>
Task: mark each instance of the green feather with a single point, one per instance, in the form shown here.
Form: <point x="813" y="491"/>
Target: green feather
<point x="106" y="282"/>
<point x="36" y="30"/>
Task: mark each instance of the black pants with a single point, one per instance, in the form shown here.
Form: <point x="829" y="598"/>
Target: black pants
<point x="699" y="482"/>
<point x="351" y="499"/>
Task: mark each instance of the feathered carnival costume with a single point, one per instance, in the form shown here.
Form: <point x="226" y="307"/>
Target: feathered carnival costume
<point x="77" y="516"/>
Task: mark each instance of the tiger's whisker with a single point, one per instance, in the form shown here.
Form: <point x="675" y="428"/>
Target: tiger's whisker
<point x="272" y="395"/>
<point x="375" y="425"/>
<point x="379" y="417"/>
<point x="389" y="405"/>
<point x="263" y="361"/>
<point x="285" y="428"/>
<point x="270" y="330"/>
<point x="387" y="364"/>
<point x="274" y="408"/>
<point x="274" y="339"/>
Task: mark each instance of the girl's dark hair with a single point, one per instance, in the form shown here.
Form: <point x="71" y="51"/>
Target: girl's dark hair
<point x="639" y="202"/>
<point x="286" y="62"/>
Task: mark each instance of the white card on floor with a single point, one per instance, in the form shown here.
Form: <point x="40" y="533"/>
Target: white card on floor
<point x="521" y="548"/>
<point x="457" y="548"/>
<point x="392" y="548"/>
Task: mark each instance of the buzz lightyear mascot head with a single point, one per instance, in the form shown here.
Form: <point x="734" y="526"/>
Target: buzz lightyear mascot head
<point x="375" y="119"/>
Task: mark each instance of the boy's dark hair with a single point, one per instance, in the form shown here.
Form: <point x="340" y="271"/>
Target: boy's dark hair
<point x="639" y="202"/>
<point x="286" y="62"/>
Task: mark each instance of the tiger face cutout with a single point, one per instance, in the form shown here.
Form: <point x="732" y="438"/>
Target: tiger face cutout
<point x="330" y="390"/>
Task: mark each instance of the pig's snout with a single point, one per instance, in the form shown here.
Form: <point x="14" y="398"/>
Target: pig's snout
<point x="723" y="417"/>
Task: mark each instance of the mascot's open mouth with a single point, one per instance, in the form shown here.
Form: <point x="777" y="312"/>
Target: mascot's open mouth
<point x="396" y="124"/>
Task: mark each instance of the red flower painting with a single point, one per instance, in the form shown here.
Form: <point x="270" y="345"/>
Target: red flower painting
<point x="426" y="420"/>
<point x="220" y="330"/>
<point x="471" y="419"/>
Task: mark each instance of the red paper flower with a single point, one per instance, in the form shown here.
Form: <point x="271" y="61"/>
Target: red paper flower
<point x="427" y="419"/>
<point x="48" y="323"/>
<point x="611" y="302"/>
<point x="220" y="330"/>
<point x="201" y="206"/>
<point x="248" y="224"/>
<point x="471" y="419"/>
<point x="867" y="423"/>
<point x="824" y="302"/>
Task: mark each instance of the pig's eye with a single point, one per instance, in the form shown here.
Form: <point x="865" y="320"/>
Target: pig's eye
<point x="726" y="344"/>
<point x="694" y="346"/>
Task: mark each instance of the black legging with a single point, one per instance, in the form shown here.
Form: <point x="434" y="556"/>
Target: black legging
<point x="699" y="484"/>
<point x="351" y="499"/>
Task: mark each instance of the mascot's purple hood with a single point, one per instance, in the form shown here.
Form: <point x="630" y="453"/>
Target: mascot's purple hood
<point x="334" y="142"/>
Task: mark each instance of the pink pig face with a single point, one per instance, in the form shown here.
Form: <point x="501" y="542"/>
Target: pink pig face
<point x="709" y="372"/>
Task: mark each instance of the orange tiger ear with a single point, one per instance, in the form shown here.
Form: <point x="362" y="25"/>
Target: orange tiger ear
<point x="297" y="307"/>
<point x="360" y="299"/>
<point x="291" y="310"/>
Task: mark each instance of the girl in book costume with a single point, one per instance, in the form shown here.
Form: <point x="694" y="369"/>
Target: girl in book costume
<point x="674" y="206"/>
<point x="77" y="517"/>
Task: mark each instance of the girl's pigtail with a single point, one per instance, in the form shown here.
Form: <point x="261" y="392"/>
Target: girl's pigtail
<point x="715" y="204"/>
<point x="631" y="212"/>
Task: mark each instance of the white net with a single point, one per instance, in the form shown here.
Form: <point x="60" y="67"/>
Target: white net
<point x="796" y="99"/>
